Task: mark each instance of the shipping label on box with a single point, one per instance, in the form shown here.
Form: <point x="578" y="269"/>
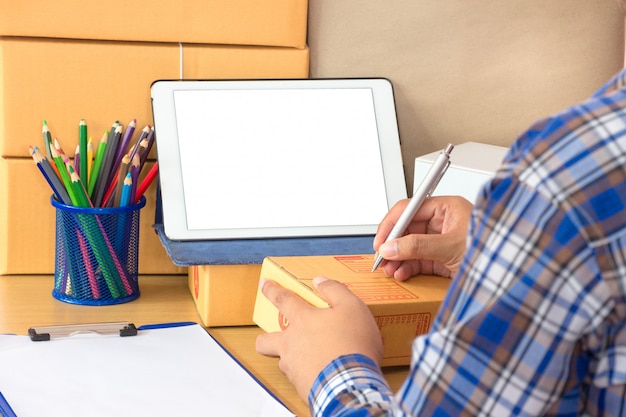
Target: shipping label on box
<point x="402" y="310"/>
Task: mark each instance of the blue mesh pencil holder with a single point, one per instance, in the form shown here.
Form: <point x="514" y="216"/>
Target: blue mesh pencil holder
<point x="96" y="254"/>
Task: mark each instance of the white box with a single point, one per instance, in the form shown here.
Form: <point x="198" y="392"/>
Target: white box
<point x="471" y="165"/>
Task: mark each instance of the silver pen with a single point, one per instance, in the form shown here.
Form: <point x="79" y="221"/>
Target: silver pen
<point x="421" y="194"/>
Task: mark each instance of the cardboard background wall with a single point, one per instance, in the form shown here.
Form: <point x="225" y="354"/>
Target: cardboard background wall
<point x="469" y="70"/>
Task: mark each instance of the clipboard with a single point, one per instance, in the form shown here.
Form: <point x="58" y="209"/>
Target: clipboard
<point x="46" y="333"/>
<point x="163" y="370"/>
<point x="5" y="408"/>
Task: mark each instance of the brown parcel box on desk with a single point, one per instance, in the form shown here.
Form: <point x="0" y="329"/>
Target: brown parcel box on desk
<point x="231" y="22"/>
<point x="402" y="310"/>
<point x="224" y="294"/>
<point x="63" y="81"/>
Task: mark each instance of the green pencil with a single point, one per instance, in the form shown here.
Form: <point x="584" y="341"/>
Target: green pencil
<point x="47" y="138"/>
<point x="65" y="176"/>
<point x="97" y="163"/>
<point x="79" y="189"/>
<point x="82" y="143"/>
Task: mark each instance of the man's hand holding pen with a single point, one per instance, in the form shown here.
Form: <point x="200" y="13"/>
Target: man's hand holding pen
<point x="434" y="240"/>
<point x="420" y="195"/>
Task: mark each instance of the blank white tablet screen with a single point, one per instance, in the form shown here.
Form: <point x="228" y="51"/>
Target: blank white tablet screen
<point x="272" y="158"/>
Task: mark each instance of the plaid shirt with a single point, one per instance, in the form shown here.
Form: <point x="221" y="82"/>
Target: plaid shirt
<point x="534" y="323"/>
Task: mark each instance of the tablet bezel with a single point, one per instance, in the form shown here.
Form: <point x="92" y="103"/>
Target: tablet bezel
<point x="170" y="169"/>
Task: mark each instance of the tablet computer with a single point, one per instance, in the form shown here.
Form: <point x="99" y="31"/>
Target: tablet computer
<point x="244" y="159"/>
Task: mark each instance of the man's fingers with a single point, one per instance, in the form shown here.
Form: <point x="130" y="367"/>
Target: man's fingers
<point x="431" y="247"/>
<point x="268" y="344"/>
<point x="284" y="300"/>
<point x="333" y="292"/>
<point x="426" y="212"/>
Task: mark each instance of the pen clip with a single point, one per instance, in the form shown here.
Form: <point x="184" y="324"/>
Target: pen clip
<point x="39" y="334"/>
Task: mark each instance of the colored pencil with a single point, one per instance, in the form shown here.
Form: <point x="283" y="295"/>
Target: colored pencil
<point x="143" y="135"/>
<point x="126" y="190"/>
<point x="77" y="159"/>
<point x="142" y="150"/>
<point x="123" y="170"/>
<point x="50" y="175"/>
<point x="97" y="163"/>
<point x="82" y="143"/>
<point x="89" y="161"/>
<point x="58" y="147"/>
<point x="134" y="173"/>
<point x="103" y="178"/>
<point x="150" y="138"/>
<point x="149" y="178"/>
<point x="65" y="177"/>
<point x="47" y="138"/>
<point x="89" y="267"/>
<point x="115" y="161"/>
<point x="128" y="135"/>
<point x="79" y="189"/>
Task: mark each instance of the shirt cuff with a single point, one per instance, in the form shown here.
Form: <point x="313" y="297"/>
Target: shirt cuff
<point x="349" y="382"/>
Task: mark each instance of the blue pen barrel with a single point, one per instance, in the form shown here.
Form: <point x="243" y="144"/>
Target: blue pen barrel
<point x="96" y="254"/>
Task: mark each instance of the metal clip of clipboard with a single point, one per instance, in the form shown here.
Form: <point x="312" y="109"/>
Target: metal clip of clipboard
<point x="45" y="333"/>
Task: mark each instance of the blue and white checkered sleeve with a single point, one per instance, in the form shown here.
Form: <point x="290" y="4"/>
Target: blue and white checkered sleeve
<point x="351" y="385"/>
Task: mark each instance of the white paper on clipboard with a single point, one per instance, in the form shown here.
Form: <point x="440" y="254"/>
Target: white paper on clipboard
<point x="179" y="371"/>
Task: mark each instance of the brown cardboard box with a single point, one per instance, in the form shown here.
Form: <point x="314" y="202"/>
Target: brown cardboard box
<point x="63" y="81"/>
<point x="402" y="310"/>
<point x="27" y="224"/>
<point x="224" y="294"/>
<point x="239" y="22"/>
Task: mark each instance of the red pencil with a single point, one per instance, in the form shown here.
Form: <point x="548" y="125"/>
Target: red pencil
<point x="150" y="176"/>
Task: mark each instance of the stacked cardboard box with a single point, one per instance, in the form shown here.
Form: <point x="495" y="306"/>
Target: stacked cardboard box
<point x="69" y="60"/>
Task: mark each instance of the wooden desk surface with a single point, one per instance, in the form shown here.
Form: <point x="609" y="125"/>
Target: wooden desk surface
<point x="26" y="301"/>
